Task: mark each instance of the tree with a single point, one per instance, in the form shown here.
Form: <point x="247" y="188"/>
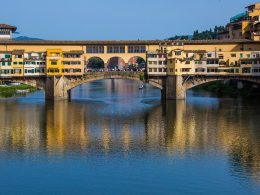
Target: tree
<point x="96" y="63"/>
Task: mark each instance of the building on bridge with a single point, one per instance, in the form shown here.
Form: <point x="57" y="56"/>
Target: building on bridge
<point x="156" y="63"/>
<point x="59" y="62"/>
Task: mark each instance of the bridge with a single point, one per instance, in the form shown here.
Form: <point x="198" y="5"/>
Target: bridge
<point x="172" y="87"/>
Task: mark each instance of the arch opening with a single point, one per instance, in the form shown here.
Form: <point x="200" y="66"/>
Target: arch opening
<point x="116" y="64"/>
<point x="136" y="63"/>
<point x="227" y="87"/>
<point x="95" y="64"/>
<point x="104" y="84"/>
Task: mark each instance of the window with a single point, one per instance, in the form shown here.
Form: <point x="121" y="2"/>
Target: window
<point x="53" y="63"/>
<point x="95" y="49"/>
<point x="18" y="56"/>
<point x="152" y="56"/>
<point x="177" y="53"/>
<point x="241" y="55"/>
<point x="137" y="49"/>
<point x="116" y="49"/>
<point x="7" y="56"/>
<point x="233" y="55"/>
<point x="185" y="70"/>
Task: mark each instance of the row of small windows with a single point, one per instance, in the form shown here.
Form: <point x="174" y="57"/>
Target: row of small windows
<point x="71" y="62"/>
<point x="116" y="49"/>
<point x="66" y="63"/>
<point x="56" y="70"/>
<point x="157" y="62"/>
<point x="5" y="32"/>
<point x="216" y="70"/>
<point x="72" y="56"/>
<point x="36" y="70"/>
<point x="22" y="63"/>
<point x="19" y="71"/>
<point x="157" y="69"/>
<point x="156" y="56"/>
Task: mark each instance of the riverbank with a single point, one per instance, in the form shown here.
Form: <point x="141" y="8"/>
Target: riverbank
<point x="10" y="90"/>
<point x="230" y="89"/>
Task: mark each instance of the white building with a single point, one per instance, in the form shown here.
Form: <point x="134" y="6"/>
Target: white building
<point x="6" y="31"/>
<point x="34" y="64"/>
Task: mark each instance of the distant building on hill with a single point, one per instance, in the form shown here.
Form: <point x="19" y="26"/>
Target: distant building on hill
<point x="6" y="31"/>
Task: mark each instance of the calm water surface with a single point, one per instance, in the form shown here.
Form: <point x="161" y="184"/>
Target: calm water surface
<point x="114" y="139"/>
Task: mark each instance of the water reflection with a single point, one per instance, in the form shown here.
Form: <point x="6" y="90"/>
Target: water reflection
<point x="199" y="127"/>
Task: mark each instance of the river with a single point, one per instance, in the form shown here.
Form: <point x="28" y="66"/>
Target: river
<point x="113" y="138"/>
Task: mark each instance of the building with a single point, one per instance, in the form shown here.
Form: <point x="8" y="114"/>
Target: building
<point x="6" y="31"/>
<point x="34" y="64"/>
<point x="73" y="62"/>
<point x="245" y="25"/>
<point x="156" y="63"/>
<point x="5" y="63"/>
<point x="17" y="63"/>
<point x="214" y="60"/>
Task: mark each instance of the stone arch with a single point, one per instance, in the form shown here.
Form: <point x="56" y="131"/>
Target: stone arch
<point x="95" y="63"/>
<point x="38" y="83"/>
<point x="134" y="76"/>
<point x="196" y="81"/>
<point x="116" y="63"/>
<point x="136" y="63"/>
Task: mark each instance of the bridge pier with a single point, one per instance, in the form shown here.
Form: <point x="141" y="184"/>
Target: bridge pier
<point x="175" y="89"/>
<point x="56" y="88"/>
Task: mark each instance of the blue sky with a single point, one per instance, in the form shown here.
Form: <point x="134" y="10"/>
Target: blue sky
<point x="116" y="19"/>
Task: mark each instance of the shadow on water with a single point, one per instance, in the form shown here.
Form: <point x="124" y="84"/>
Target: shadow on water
<point x="120" y="121"/>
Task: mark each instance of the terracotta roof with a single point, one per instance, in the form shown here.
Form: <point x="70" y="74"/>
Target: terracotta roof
<point x="6" y="26"/>
<point x="126" y="42"/>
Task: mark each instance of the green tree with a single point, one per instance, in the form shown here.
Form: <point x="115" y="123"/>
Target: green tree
<point x="96" y="63"/>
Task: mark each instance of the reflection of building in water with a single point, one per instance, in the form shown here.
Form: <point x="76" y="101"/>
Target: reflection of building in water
<point x="66" y="127"/>
<point x="21" y="126"/>
<point x="178" y="128"/>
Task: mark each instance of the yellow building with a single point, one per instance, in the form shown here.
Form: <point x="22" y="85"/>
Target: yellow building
<point x="73" y="62"/>
<point x="54" y="60"/>
<point x="245" y="25"/>
<point x="17" y="63"/>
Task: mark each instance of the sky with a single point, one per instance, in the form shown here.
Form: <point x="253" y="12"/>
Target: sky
<point x="116" y="19"/>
